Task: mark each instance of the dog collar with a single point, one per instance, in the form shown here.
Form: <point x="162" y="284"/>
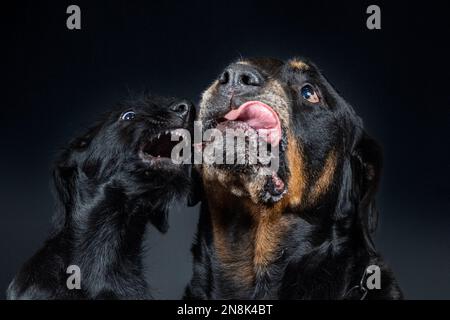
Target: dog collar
<point x="359" y="291"/>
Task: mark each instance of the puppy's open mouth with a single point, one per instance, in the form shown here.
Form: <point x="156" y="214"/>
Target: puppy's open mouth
<point x="159" y="147"/>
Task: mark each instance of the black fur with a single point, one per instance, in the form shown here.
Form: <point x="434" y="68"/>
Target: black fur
<point x="108" y="187"/>
<point x="324" y="250"/>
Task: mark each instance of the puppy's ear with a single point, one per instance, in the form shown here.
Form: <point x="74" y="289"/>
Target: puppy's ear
<point x="159" y="218"/>
<point x="63" y="185"/>
<point x="367" y="165"/>
<point x="196" y="188"/>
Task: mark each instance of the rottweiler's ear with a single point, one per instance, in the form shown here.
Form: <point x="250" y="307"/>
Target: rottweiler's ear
<point x="367" y="167"/>
<point x="196" y="188"/>
<point x="159" y="218"/>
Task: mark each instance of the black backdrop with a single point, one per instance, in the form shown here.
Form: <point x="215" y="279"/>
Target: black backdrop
<point x="56" y="81"/>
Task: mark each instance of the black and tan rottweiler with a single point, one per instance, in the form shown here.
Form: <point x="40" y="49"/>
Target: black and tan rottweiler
<point x="109" y="183"/>
<point x="305" y="231"/>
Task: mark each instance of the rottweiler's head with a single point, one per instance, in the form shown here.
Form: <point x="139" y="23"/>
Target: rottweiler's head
<point x="325" y="154"/>
<point x="127" y="156"/>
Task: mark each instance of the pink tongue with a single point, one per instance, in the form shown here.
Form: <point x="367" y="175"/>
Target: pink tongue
<point x="260" y="117"/>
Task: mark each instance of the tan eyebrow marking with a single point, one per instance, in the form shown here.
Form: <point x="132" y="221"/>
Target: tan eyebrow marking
<point x="298" y="65"/>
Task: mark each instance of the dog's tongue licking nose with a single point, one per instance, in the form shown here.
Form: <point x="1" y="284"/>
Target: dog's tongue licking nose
<point x="261" y="118"/>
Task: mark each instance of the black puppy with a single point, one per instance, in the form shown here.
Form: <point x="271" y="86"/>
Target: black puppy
<point x="303" y="231"/>
<point x="109" y="182"/>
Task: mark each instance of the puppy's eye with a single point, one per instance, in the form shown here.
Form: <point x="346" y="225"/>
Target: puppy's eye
<point x="308" y="93"/>
<point x="129" y="115"/>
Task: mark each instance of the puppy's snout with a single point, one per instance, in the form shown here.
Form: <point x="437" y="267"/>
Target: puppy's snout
<point x="184" y="109"/>
<point x="240" y="77"/>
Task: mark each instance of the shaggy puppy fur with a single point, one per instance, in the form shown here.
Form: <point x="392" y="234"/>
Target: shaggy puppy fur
<point x="109" y="183"/>
<point x="304" y="230"/>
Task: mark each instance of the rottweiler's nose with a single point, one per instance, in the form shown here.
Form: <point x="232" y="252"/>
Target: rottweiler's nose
<point x="241" y="77"/>
<point x="183" y="109"/>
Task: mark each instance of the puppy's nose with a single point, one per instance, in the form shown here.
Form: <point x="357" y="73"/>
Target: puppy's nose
<point x="183" y="109"/>
<point x="241" y="77"/>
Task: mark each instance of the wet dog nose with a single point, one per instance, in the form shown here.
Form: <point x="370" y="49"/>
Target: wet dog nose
<point x="240" y="76"/>
<point x="184" y="109"/>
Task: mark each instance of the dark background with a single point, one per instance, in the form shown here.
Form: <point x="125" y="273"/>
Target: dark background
<point x="57" y="81"/>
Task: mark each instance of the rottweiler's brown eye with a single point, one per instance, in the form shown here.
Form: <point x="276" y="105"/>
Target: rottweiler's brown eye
<point x="308" y="93"/>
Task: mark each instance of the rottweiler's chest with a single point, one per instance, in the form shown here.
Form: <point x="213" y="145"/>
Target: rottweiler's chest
<point x="249" y="255"/>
